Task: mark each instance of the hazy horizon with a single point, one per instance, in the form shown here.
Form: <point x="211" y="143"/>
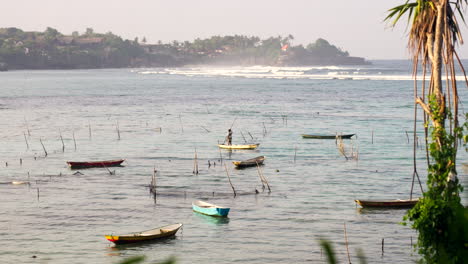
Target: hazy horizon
<point x="356" y="27"/>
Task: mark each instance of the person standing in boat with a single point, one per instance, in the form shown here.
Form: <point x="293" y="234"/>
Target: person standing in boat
<point x="229" y="137"/>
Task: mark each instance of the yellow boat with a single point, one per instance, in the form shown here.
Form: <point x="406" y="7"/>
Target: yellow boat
<point x="250" y="162"/>
<point x="249" y="146"/>
<point x="153" y="234"/>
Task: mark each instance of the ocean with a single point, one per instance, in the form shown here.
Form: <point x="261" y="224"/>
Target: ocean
<point x="159" y="118"/>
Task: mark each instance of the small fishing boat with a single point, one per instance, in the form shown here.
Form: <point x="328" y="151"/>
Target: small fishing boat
<point x="209" y="209"/>
<point x="248" y="146"/>
<point x="318" y="136"/>
<point x="94" y="164"/>
<point x="405" y="203"/>
<point x="153" y="234"/>
<point x="250" y="162"/>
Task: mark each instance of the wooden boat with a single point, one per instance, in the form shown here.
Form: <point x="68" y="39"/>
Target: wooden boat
<point x="250" y="162"/>
<point x="248" y="146"/>
<point x="406" y="203"/>
<point x="93" y="164"/>
<point x="317" y="136"/>
<point x="209" y="209"/>
<point x="153" y="234"/>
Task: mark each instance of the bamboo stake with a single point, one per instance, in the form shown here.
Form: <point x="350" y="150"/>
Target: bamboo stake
<point x="61" y="138"/>
<point x="295" y="152"/>
<point x="242" y="134"/>
<point x="89" y="130"/>
<point x="372" y="137"/>
<point x="383" y="242"/>
<point x="180" y="121"/>
<point x="195" y="163"/>
<point x="229" y="178"/>
<point x="407" y="137"/>
<point x="27" y="127"/>
<point x="38" y="194"/>
<point x="260" y="175"/>
<point x="26" y="140"/>
<point x="263" y="177"/>
<point x="45" y="151"/>
<point x="250" y="135"/>
<point x="21" y="162"/>
<point x="346" y="243"/>
<point x="74" y="141"/>
<point x="220" y="156"/>
<point x="118" y="130"/>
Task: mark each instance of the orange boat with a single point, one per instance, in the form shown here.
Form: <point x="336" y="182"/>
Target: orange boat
<point x="94" y="164"/>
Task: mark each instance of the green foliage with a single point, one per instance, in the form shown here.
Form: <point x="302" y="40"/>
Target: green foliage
<point x="327" y="246"/>
<point x="439" y="217"/>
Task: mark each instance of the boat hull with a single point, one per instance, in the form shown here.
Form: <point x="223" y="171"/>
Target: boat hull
<point x="211" y="210"/>
<point x="387" y="203"/>
<point x="250" y="162"/>
<point x="94" y="164"/>
<point x="328" y="136"/>
<point x="249" y="146"/>
<point x="149" y="235"/>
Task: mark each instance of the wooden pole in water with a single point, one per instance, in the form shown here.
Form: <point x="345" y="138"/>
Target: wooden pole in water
<point x="27" y="127"/>
<point x="118" y="130"/>
<point x="407" y="137"/>
<point x="229" y="178"/>
<point x="263" y="177"/>
<point x="74" y="141"/>
<point x="26" y="140"/>
<point x="180" y="121"/>
<point x="346" y="243"/>
<point x="372" y="136"/>
<point x="242" y="134"/>
<point x="195" y="163"/>
<point x="45" y="151"/>
<point x="220" y="156"/>
<point x="260" y="175"/>
<point x="61" y="138"/>
<point x="383" y="242"/>
<point x="89" y="129"/>
<point x="295" y="152"/>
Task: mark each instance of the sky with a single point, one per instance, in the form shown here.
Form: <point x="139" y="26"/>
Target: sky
<point x="355" y="26"/>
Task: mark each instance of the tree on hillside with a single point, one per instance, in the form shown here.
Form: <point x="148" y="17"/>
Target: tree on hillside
<point x="439" y="216"/>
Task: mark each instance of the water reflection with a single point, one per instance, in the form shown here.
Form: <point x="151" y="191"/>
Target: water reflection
<point x="211" y="219"/>
<point x="140" y="245"/>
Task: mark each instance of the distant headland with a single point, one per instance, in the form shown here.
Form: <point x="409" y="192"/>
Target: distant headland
<point x="53" y="50"/>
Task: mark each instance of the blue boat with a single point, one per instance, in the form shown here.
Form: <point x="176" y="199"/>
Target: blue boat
<point x="209" y="209"/>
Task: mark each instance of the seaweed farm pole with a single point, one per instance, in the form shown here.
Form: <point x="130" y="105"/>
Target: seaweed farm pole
<point x="74" y="140"/>
<point x="118" y="130"/>
<point x="45" y="151"/>
<point x="372" y="137"/>
<point x="295" y="152"/>
<point x="89" y="129"/>
<point x="260" y="175"/>
<point x="181" y="126"/>
<point x="263" y="177"/>
<point x="220" y="156"/>
<point x="61" y="138"/>
<point x="27" y="127"/>
<point x="26" y="140"/>
<point x="346" y="242"/>
<point x="242" y="134"/>
<point x="195" y="163"/>
<point x="229" y="178"/>
<point x="153" y="183"/>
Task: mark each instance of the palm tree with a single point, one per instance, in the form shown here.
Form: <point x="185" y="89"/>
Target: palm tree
<point x="434" y="34"/>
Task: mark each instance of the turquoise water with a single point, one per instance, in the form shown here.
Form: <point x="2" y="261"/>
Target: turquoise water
<point x="163" y="116"/>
